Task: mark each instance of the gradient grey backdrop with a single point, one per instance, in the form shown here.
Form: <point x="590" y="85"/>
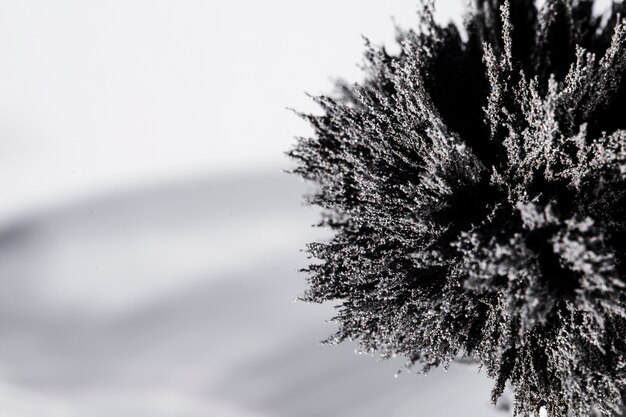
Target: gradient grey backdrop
<point x="149" y="241"/>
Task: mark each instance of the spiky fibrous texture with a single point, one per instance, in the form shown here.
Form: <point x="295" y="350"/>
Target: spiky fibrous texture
<point x="476" y="189"/>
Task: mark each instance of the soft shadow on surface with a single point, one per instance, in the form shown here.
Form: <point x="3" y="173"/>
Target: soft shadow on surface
<point x="179" y="301"/>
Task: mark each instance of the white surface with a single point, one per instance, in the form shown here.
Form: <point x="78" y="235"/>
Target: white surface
<point x="112" y="308"/>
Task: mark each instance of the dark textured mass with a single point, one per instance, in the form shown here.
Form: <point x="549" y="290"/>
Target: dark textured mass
<point x="475" y="184"/>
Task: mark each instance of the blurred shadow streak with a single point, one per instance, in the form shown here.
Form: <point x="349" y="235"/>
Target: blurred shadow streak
<point x="206" y="272"/>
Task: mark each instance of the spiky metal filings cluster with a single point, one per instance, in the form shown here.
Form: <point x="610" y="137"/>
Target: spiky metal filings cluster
<point x="476" y="188"/>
